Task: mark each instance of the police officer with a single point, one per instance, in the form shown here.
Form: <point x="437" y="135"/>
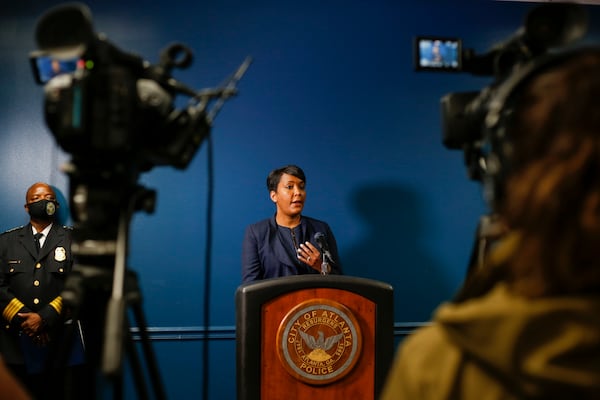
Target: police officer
<point x="34" y="262"/>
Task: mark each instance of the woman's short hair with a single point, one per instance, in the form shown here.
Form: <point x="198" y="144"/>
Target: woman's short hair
<point x="275" y="175"/>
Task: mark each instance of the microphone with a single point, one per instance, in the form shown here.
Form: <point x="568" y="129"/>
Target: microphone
<point x="321" y="240"/>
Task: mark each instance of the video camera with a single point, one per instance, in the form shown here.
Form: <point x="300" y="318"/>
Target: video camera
<point x="547" y="28"/>
<point x="104" y="104"/>
<point x="114" y="113"/>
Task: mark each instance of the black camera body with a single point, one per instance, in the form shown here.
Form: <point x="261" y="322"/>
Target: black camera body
<point x="114" y="113"/>
<point x="107" y="105"/>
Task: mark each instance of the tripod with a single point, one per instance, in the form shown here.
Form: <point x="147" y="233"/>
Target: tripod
<point x="100" y="294"/>
<point x="479" y="276"/>
<point x="489" y="230"/>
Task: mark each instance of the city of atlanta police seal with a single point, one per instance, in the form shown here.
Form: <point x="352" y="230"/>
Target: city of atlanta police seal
<point x="319" y="341"/>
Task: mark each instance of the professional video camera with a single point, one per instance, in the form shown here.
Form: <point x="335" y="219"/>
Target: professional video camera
<point x="114" y="113"/>
<point x="547" y="28"/>
<point x="114" y="104"/>
<point x="477" y="121"/>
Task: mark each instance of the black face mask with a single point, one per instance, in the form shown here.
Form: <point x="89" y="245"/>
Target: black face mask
<point x="43" y="209"/>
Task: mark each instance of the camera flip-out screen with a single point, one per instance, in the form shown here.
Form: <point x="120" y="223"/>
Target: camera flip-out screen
<point x="437" y="54"/>
<point x="46" y="67"/>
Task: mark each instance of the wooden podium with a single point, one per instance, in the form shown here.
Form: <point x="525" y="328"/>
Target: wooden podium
<point x="313" y="336"/>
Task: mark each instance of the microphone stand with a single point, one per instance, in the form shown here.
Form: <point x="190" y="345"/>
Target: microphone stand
<point x="325" y="264"/>
<point x="325" y="255"/>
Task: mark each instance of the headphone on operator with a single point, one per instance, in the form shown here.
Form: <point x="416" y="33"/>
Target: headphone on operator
<point x="497" y="144"/>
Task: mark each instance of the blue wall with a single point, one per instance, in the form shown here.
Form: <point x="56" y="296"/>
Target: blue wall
<point x="332" y="89"/>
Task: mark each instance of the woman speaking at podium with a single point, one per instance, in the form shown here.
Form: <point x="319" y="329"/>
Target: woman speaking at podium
<point x="288" y="243"/>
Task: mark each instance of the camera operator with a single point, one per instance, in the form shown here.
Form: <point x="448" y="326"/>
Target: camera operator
<point x="34" y="262"/>
<point x="527" y="325"/>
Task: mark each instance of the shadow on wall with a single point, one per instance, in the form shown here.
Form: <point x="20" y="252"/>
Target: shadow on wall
<point x="395" y="250"/>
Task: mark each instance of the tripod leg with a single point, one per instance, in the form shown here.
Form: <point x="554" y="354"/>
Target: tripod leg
<point x="136" y="368"/>
<point x="149" y="355"/>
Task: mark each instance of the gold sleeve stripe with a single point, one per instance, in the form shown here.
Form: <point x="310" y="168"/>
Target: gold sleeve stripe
<point x="57" y="304"/>
<point x="12" y="309"/>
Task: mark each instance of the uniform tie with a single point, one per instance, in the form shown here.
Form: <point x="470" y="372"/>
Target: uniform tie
<point x="37" y="238"/>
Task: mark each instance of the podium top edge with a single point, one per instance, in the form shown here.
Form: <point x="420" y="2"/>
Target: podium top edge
<point x="314" y="281"/>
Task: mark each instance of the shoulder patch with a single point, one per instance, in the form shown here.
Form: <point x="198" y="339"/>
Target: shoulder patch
<point x="13" y="229"/>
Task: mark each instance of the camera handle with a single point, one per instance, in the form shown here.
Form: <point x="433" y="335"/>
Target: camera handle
<point x="116" y="307"/>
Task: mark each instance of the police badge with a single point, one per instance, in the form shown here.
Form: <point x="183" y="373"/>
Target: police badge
<point x="50" y="209"/>
<point x="60" y="254"/>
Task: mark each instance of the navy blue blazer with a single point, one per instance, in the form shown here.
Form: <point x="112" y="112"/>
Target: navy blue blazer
<point x="265" y="253"/>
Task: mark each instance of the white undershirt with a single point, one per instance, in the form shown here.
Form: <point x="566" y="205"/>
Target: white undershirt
<point x="44" y="234"/>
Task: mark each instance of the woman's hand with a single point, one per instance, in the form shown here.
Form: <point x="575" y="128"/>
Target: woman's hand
<point x="308" y="254"/>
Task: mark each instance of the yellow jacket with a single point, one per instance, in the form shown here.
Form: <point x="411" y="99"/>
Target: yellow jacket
<point x="501" y="346"/>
